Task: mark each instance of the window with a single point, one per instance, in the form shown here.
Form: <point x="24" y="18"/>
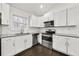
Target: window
<point x="19" y="23"/>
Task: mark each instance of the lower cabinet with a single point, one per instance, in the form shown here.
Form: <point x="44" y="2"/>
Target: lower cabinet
<point x="19" y="44"/>
<point x="28" y="41"/>
<point x="14" y="45"/>
<point x="7" y="46"/>
<point x="59" y="43"/>
<point x="67" y="45"/>
<point x="73" y="48"/>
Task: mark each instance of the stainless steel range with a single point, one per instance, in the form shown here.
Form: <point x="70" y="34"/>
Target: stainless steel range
<point x="47" y="38"/>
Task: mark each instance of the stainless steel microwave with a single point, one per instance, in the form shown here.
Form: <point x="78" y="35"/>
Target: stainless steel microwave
<point x="49" y="23"/>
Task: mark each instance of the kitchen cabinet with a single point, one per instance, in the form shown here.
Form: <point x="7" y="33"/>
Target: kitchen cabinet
<point x="15" y="45"/>
<point x="73" y="15"/>
<point x="33" y="21"/>
<point x="60" y="18"/>
<point x="73" y="48"/>
<point x="40" y="22"/>
<point x="59" y="43"/>
<point x="19" y="44"/>
<point x="8" y="46"/>
<point x="36" y="21"/>
<point x="67" y="45"/>
<point x="48" y="16"/>
<point x="5" y="13"/>
<point x="27" y="41"/>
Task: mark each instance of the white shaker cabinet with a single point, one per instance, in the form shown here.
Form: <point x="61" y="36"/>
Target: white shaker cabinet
<point x="33" y="21"/>
<point x="60" y="18"/>
<point x="5" y="13"/>
<point x="27" y="41"/>
<point x="48" y="16"/>
<point x="59" y="43"/>
<point x="73" y="15"/>
<point x="36" y="21"/>
<point x="40" y="22"/>
<point x="19" y="44"/>
<point x="8" y="46"/>
<point x="73" y="48"/>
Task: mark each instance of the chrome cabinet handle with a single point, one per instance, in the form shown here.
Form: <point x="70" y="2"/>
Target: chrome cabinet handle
<point x="25" y="41"/>
<point x="67" y="45"/>
<point x="14" y="44"/>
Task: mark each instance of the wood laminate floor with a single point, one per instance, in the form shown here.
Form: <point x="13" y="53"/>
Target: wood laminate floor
<point x="40" y="50"/>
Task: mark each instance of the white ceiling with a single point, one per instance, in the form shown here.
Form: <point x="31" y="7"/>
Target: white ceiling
<point x="35" y="9"/>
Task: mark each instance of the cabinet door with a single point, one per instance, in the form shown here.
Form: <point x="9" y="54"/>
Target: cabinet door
<point x="5" y="13"/>
<point x="59" y="43"/>
<point x="73" y="46"/>
<point x="73" y="15"/>
<point x="8" y="46"/>
<point x="40" y="22"/>
<point x="50" y="16"/>
<point x="60" y="18"/>
<point x="19" y="44"/>
<point x="28" y="41"/>
<point x="33" y="21"/>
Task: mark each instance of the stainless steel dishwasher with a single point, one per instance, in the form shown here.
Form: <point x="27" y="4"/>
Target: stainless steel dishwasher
<point x="35" y="38"/>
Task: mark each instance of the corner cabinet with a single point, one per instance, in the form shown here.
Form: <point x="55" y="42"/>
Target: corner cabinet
<point x="5" y="13"/>
<point x="33" y="21"/>
<point x="36" y="21"/>
<point x="60" y="18"/>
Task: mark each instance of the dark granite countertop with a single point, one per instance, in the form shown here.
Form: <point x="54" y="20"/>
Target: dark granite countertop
<point x="67" y="35"/>
<point x="14" y="35"/>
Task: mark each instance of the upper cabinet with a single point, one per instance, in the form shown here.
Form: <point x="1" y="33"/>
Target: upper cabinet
<point x="60" y="18"/>
<point x="73" y="15"/>
<point x="36" y="21"/>
<point x="63" y="18"/>
<point x="48" y="16"/>
<point x="33" y="21"/>
<point x="5" y="13"/>
<point x="39" y="21"/>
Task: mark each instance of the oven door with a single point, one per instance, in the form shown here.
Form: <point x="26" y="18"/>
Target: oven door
<point x="47" y="38"/>
<point x="47" y="41"/>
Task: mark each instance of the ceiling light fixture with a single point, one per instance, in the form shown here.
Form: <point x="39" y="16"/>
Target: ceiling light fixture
<point x="41" y="6"/>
